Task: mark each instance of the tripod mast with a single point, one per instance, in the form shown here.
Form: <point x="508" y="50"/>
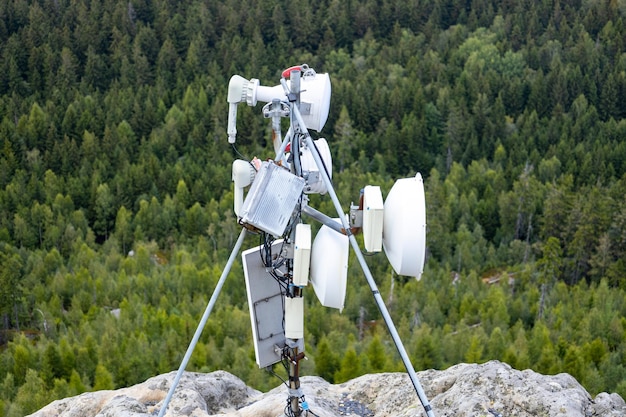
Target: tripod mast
<point x="289" y="276"/>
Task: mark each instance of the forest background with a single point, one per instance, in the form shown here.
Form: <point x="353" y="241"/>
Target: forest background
<point x="113" y="139"/>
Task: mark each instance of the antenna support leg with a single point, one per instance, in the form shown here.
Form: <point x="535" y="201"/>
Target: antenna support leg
<point x="205" y="318"/>
<point x="366" y="271"/>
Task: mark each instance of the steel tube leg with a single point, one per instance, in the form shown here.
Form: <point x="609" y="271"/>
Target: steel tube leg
<point x="368" y="275"/>
<point x="205" y="317"/>
<point x="392" y="328"/>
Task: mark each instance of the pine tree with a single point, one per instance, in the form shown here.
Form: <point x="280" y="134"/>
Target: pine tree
<point x="376" y="355"/>
<point x="52" y="366"/>
<point x="573" y="363"/>
<point x="349" y="367"/>
<point x="31" y="396"/>
<point x="103" y="379"/>
<point x="475" y="352"/>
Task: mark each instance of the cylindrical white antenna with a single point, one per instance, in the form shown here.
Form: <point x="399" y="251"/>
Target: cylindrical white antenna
<point x="243" y="175"/>
<point x="239" y="89"/>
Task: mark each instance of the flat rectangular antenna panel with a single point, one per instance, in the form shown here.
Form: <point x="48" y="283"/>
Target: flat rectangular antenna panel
<point x="373" y="217"/>
<point x="272" y="199"/>
<point x="302" y="255"/>
<point x="265" y="301"/>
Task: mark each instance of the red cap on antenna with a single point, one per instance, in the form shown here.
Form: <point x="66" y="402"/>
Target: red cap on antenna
<point x="287" y="72"/>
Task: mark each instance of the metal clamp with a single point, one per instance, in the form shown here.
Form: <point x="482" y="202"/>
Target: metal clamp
<point x="276" y="109"/>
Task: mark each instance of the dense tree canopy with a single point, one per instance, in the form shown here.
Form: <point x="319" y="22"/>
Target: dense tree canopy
<point x="113" y="139"/>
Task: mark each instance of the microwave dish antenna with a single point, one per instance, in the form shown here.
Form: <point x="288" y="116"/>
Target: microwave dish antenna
<point x="278" y="271"/>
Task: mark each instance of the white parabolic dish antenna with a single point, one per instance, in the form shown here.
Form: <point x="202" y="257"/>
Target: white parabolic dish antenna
<point x="404" y="226"/>
<point x="329" y="267"/>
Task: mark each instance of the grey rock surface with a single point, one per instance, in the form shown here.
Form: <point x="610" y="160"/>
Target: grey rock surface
<point x="492" y="389"/>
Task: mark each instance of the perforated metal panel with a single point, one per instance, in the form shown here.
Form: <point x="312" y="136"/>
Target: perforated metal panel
<point x="272" y="199"/>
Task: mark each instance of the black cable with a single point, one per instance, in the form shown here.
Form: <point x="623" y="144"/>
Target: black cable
<point x="282" y="299"/>
<point x="265" y="253"/>
<point x="271" y="371"/>
<point x="295" y="151"/>
<point x="322" y="159"/>
<point x="266" y="243"/>
<point x="284" y="362"/>
<point x="245" y="158"/>
<point x="239" y="153"/>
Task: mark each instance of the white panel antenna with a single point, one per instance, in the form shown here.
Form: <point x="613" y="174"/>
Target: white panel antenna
<point x="373" y="214"/>
<point x="302" y="255"/>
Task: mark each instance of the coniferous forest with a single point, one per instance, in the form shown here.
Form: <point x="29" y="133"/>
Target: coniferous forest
<point x="116" y="200"/>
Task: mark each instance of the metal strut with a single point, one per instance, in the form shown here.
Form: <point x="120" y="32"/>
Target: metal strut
<point x="205" y="317"/>
<point x="293" y="354"/>
<point x="368" y="275"/>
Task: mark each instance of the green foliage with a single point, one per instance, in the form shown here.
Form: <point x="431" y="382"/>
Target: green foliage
<point x="31" y="396"/>
<point x="349" y="366"/>
<point x="376" y="355"/>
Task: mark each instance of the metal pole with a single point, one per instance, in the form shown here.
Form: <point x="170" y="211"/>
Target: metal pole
<point x="368" y="275"/>
<point x="324" y="219"/>
<point x="205" y="317"/>
<point x="294" y="356"/>
<point x="392" y="328"/>
<point x="294" y="381"/>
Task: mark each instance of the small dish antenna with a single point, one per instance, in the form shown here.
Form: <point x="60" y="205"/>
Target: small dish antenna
<point x="329" y="266"/>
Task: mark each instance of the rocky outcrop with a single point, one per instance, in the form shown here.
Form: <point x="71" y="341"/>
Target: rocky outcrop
<point x="492" y="389"/>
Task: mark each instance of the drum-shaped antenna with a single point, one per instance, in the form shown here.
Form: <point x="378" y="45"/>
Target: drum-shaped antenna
<point x="404" y="226"/>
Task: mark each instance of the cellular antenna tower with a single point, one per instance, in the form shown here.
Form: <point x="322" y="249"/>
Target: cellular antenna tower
<point x="288" y="259"/>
